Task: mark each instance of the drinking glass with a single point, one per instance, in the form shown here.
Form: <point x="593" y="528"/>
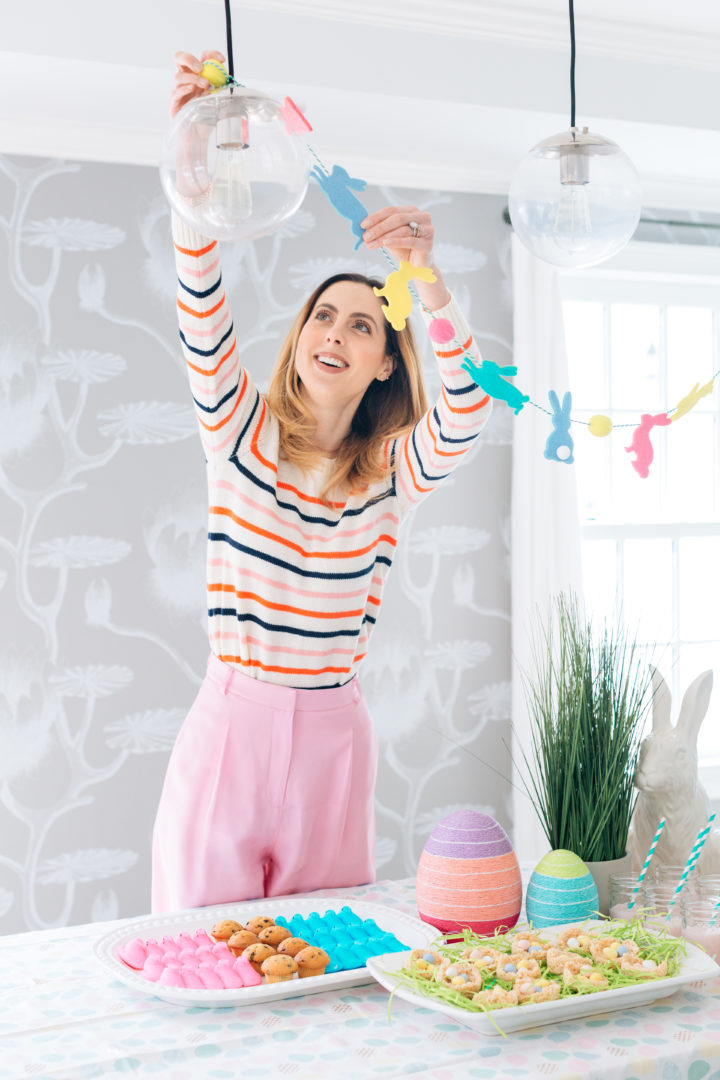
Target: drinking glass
<point x="661" y="897"/>
<point x="698" y="925"/>
<point x="621" y="892"/>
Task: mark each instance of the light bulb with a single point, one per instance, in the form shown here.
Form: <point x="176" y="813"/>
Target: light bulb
<point x="230" y="198"/>
<point x="572" y="229"/>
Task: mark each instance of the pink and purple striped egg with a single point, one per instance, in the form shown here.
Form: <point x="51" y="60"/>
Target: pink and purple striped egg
<point x="469" y="875"/>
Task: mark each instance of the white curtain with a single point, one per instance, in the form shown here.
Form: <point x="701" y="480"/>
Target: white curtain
<point x="545" y="525"/>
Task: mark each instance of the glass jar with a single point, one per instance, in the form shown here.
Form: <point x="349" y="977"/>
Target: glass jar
<point x="670" y="875"/>
<point x="701" y="925"/>
<point x="621" y="893"/>
<point x="707" y="886"/>
<point x="664" y="902"/>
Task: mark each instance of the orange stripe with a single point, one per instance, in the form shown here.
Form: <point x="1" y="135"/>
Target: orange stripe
<point x="281" y="483"/>
<point x="455" y="352"/>
<point x="373" y="600"/>
<point x="442" y="453"/>
<point x="284" y="607"/>
<point x="296" y="547"/>
<point x="468" y="408"/>
<point x="212" y="371"/>
<point x="284" y="670"/>
<point x="200" y="251"/>
<point x="449" y="864"/>
<point x="216" y="427"/>
<point x="202" y="314"/>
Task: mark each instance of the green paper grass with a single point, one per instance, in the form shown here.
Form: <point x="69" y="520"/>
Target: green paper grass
<point x="588" y="701"/>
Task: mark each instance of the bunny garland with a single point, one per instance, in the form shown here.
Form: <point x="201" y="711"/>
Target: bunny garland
<point x="339" y="187"/>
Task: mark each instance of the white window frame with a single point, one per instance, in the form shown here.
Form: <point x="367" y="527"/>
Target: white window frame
<point x="657" y="273"/>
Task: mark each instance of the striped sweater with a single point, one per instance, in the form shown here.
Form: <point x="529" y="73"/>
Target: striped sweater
<point x="295" y="586"/>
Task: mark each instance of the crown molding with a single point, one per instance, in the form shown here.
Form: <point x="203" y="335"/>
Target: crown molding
<point x="517" y="24"/>
<point x="135" y="147"/>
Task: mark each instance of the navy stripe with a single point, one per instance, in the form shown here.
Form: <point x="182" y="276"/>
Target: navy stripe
<point x="472" y="388"/>
<point x="214" y="408"/>
<point x="200" y="295"/>
<point x="248" y="422"/>
<point x="311" y="520"/>
<point x="369" y="618"/>
<point x="206" y="352"/>
<point x="284" y="629"/>
<point x="430" y="479"/>
<point x="224" y="538"/>
<point x="446" y="438"/>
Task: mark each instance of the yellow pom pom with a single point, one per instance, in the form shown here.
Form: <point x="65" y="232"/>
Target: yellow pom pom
<point x="600" y="425"/>
<point x="215" y="73"/>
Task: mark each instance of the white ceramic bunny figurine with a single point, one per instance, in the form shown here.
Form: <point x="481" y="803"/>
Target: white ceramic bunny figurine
<point x="668" y="782"/>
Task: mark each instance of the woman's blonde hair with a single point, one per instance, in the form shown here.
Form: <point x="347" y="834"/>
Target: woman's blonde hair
<point x="387" y="409"/>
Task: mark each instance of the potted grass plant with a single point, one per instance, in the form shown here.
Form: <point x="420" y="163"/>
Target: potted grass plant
<point x="588" y="698"/>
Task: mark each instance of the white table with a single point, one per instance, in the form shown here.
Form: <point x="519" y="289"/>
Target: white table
<point x="62" y="1016"/>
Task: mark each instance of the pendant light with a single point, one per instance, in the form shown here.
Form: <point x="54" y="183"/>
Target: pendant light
<point x="234" y="165"/>
<point x="575" y="199"/>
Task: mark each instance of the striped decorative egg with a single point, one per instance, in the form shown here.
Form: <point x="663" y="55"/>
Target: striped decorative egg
<point x="469" y="875"/>
<point x="561" y="889"/>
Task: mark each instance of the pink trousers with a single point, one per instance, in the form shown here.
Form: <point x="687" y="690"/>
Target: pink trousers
<point x="269" y="791"/>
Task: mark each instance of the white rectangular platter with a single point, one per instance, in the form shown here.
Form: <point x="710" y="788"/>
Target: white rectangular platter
<point x="697" y="966"/>
<point x="410" y="931"/>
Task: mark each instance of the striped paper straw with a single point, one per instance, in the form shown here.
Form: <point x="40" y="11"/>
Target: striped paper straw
<point x="689" y="865"/>
<point x="716" y="909"/>
<point x="645" y="865"/>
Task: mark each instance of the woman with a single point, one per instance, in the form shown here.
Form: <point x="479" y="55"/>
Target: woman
<point x="270" y="785"/>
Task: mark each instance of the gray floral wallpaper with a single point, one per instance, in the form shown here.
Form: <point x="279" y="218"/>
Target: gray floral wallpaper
<point x="102" y="534"/>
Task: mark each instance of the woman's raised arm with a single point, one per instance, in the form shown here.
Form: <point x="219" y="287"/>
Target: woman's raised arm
<point x="227" y="403"/>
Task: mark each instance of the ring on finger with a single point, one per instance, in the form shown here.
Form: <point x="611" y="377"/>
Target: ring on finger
<point x="415" y="228"/>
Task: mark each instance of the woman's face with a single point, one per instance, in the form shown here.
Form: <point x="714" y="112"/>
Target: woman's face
<point x="341" y="347"/>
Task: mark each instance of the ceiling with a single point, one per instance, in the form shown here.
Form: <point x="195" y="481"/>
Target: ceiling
<point x="417" y="93"/>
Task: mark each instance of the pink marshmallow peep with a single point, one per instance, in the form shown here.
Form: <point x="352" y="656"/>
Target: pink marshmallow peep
<point x="249" y="975"/>
<point x="133" y="953"/>
<point x="193" y="961"/>
<point x="171" y="976"/>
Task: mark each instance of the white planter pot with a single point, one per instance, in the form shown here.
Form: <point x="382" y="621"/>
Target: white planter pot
<point x="601" y="872"/>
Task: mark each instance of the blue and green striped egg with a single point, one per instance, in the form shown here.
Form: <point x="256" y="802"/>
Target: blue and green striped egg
<point x="561" y="890"/>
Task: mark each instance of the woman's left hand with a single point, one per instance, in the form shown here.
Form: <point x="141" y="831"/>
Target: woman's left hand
<point x="393" y="228"/>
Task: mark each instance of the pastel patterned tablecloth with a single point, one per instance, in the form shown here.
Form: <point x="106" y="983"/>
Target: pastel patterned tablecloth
<point x="62" y="1016"/>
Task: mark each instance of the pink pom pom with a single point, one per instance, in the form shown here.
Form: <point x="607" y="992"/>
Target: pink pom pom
<point x="441" y="331"/>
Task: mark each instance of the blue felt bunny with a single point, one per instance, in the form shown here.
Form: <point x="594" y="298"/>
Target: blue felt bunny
<point x="337" y="186"/>
<point x="560" y="436"/>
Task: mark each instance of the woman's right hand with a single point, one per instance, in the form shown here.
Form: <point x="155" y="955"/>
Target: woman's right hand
<point x="188" y="82"/>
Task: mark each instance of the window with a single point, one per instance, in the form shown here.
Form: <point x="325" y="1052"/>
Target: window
<point x="641" y="330"/>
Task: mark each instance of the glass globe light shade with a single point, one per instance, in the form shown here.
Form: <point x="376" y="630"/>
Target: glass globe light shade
<point x="575" y="199"/>
<point x="230" y="168"/>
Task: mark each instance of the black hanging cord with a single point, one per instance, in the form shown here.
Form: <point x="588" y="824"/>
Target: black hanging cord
<point x="228" y="27"/>
<point x="572" y="64"/>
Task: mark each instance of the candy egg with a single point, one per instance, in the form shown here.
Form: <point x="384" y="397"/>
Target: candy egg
<point x="469" y="875"/>
<point x="561" y="890"/>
